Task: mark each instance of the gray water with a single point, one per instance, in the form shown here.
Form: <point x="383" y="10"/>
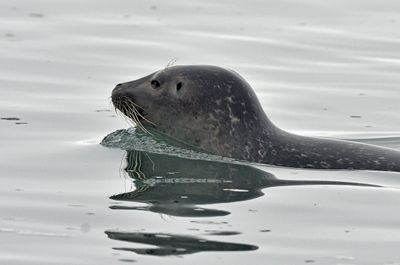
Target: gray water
<point x="319" y="68"/>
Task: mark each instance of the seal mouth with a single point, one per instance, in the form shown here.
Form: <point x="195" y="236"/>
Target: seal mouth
<point x="130" y="110"/>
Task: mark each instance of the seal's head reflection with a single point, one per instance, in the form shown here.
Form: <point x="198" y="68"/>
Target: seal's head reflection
<point x="177" y="186"/>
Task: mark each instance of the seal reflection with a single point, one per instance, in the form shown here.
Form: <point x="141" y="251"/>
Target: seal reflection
<point x="178" y="187"/>
<point x="169" y="244"/>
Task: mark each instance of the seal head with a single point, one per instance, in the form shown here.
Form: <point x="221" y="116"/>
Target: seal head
<point x="203" y="106"/>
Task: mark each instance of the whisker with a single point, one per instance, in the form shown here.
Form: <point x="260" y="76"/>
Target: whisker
<point x="171" y="62"/>
<point x="122" y="115"/>
<point x="127" y="109"/>
<point x="134" y="114"/>
<point x="133" y="103"/>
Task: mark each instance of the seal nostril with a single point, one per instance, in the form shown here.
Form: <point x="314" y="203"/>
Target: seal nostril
<point x="118" y="85"/>
<point x="179" y="86"/>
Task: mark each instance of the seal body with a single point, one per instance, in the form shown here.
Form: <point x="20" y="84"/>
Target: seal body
<point x="216" y="110"/>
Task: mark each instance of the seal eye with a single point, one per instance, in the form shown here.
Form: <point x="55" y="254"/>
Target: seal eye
<point x="179" y="86"/>
<point x="155" y="84"/>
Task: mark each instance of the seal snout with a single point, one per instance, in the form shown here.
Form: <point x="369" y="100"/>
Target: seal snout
<point x="118" y="93"/>
<point x="117" y="90"/>
<point x="124" y="101"/>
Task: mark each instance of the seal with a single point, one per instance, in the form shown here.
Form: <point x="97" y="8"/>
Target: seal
<point x="216" y="110"/>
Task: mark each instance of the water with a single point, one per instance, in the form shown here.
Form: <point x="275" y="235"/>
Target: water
<point x="327" y="69"/>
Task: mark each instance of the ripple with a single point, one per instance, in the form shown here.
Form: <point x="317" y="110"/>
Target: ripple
<point x="25" y="232"/>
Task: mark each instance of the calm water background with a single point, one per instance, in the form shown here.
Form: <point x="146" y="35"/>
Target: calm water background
<point x="319" y="68"/>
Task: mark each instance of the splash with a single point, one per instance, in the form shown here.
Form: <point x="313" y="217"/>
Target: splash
<point x="134" y="139"/>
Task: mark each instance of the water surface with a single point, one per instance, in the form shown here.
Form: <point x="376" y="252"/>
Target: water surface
<point x="319" y="68"/>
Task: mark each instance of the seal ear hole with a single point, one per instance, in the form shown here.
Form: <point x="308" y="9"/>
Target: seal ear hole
<point x="155" y="84"/>
<point x="179" y="86"/>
